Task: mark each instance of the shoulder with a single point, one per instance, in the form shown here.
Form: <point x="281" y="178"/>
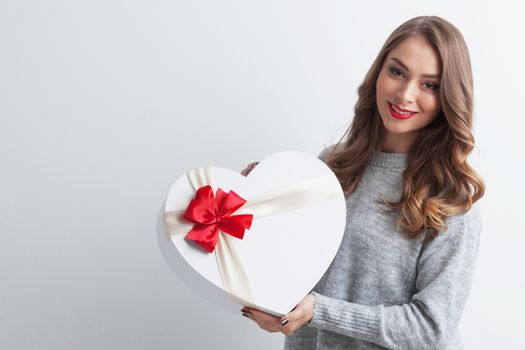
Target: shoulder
<point x="468" y="221"/>
<point x="458" y="244"/>
<point x="462" y="229"/>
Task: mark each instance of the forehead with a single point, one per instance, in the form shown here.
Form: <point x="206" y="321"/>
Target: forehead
<point x="418" y="55"/>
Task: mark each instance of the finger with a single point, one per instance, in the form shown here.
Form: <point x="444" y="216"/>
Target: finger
<point x="297" y="314"/>
<point x="251" y="166"/>
<point x="266" y="321"/>
<point x="263" y="316"/>
<point x="292" y="321"/>
<point x="272" y="328"/>
<point x="246" y="171"/>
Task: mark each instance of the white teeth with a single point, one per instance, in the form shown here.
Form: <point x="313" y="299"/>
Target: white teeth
<point x="398" y="111"/>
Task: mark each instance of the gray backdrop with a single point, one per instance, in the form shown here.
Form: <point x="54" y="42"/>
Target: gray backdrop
<point x="103" y="104"/>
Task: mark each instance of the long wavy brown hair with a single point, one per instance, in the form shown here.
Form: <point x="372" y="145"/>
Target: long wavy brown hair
<point x="437" y="182"/>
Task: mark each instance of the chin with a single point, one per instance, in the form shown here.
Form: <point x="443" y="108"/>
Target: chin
<point x="397" y="131"/>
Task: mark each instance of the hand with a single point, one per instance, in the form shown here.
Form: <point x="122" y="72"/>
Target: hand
<point x="249" y="168"/>
<point x="288" y="324"/>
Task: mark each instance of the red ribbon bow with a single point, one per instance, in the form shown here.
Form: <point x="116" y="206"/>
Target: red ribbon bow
<point x="213" y="214"/>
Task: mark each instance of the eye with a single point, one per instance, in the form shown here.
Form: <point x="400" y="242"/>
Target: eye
<point x="431" y="86"/>
<point x="395" y="72"/>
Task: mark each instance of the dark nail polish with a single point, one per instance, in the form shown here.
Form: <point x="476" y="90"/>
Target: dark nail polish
<point x="284" y="321"/>
<point x="244" y="315"/>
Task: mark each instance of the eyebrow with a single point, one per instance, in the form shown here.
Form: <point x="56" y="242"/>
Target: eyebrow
<point x="406" y="68"/>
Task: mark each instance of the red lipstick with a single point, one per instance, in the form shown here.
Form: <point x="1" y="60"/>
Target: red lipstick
<point x="400" y="113"/>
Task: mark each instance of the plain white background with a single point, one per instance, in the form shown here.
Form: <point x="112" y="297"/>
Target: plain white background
<point x="103" y="104"/>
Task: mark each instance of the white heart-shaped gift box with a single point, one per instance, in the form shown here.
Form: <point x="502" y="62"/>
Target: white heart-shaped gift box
<point x="286" y="250"/>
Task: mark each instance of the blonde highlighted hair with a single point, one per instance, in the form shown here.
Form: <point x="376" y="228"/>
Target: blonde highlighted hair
<point x="437" y="182"/>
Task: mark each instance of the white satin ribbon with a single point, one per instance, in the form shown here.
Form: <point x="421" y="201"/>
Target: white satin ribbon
<point x="295" y="196"/>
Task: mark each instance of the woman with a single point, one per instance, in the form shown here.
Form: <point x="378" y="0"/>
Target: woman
<point x="403" y="272"/>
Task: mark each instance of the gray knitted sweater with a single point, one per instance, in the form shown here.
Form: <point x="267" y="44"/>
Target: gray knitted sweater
<point x="384" y="291"/>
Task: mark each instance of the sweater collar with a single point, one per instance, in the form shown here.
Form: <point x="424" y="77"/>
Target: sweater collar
<point x="389" y="160"/>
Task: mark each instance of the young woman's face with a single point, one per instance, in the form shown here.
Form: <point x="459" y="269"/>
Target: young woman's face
<point x="407" y="89"/>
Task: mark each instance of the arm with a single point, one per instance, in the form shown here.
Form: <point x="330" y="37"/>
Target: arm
<point x="444" y="275"/>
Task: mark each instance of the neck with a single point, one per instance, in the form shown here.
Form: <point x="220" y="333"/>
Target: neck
<point x="396" y="143"/>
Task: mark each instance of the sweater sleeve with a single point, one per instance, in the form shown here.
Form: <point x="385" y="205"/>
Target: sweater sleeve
<point x="444" y="274"/>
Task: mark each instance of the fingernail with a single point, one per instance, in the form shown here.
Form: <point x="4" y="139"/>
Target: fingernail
<point x="245" y="315"/>
<point x="284" y="321"/>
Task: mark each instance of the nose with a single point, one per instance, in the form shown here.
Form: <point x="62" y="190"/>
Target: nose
<point x="407" y="93"/>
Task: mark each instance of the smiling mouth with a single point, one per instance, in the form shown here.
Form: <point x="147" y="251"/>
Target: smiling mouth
<point x="400" y="113"/>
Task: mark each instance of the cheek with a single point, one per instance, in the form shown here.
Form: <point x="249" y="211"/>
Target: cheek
<point x="430" y="104"/>
<point x="383" y="86"/>
<point x="387" y="89"/>
<point x="431" y="107"/>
